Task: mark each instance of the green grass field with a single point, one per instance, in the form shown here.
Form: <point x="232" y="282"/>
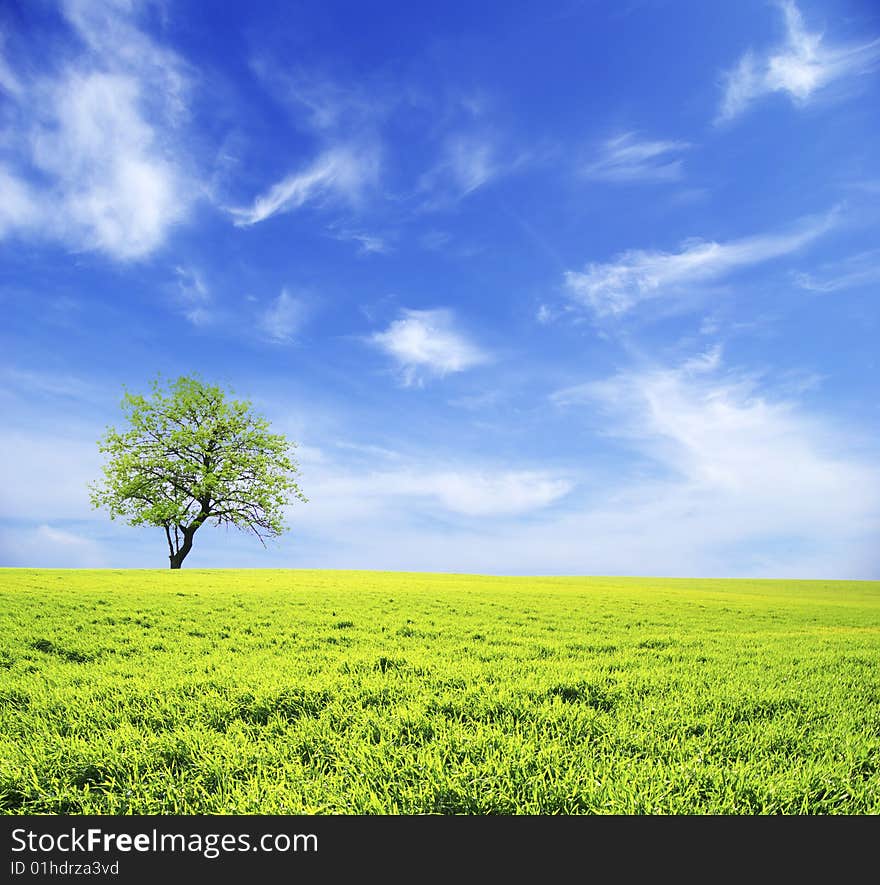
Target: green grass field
<point x="319" y="692"/>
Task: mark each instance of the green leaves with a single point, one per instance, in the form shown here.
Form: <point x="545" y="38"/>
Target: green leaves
<point x="188" y="456"/>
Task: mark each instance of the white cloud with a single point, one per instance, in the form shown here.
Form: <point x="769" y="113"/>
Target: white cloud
<point x="342" y="172"/>
<point x="368" y="450"/>
<point x="28" y="385"/>
<point x="9" y="82"/>
<point x="284" y="318"/>
<point x="120" y="194"/>
<point x="625" y="158"/>
<point x="545" y="314"/>
<point x="613" y="288"/>
<point x="85" y="551"/>
<point x="368" y="244"/>
<point x="426" y="490"/>
<point x="194" y="296"/>
<point x="96" y="164"/>
<point x="109" y="28"/>
<point x="801" y="67"/>
<point x="471" y="163"/>
<point x="741" y="478"/>
<point x="19" y="206"/>
<point x="346" y="119"/>
<point x="331" y="107"/>
<point x="426" y="341"/>
<point x="857" y="270"/>
<point x="46" y="546"/>
<point x="779" y="468"/>
<point x="468" y="162"/>
<point x="727" y="481"/>
<point x="487" y="494"/>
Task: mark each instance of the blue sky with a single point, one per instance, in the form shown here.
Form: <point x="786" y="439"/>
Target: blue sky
<point x="586" y="289"/>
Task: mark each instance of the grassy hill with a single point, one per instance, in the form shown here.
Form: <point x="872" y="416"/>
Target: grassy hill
<point x="260" y="691"/>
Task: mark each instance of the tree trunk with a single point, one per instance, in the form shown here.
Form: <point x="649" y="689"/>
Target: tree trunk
<point x="176" y="559"/>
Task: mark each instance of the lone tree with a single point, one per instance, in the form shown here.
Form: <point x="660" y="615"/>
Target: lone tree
<point x="191" y="456"/>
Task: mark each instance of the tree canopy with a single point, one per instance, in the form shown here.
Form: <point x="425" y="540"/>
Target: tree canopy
<point x="191" y="456"/>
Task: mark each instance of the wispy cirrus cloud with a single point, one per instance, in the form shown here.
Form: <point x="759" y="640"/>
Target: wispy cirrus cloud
<point x="97" y="160"/>
<point x="368" y="244"/>
<point x="802" y="66"/>
<point x="718" y="432"/>
<point x="32" y="385"/>
<point x="736" y="469"/>
<point x="345" y="118"/>
<point x="616" y="287"/>
<point x="728" y="479"/>
<point x="51" y="546"/>
<point x="9" y="82"/>
<point x="322" y="102"/>
<point x="468" y="162"/>
<point x="434" y="489"/>
<point x="862" y="269"/>
<point x="193" y="295"/>
<point x="338" y="173"/>
<point x="353" y="120"/>
<point x="20" y="209"/>
<point x="626" y="158"/>
<point x="283" y="319"/>
<point x="427" y="343"/>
